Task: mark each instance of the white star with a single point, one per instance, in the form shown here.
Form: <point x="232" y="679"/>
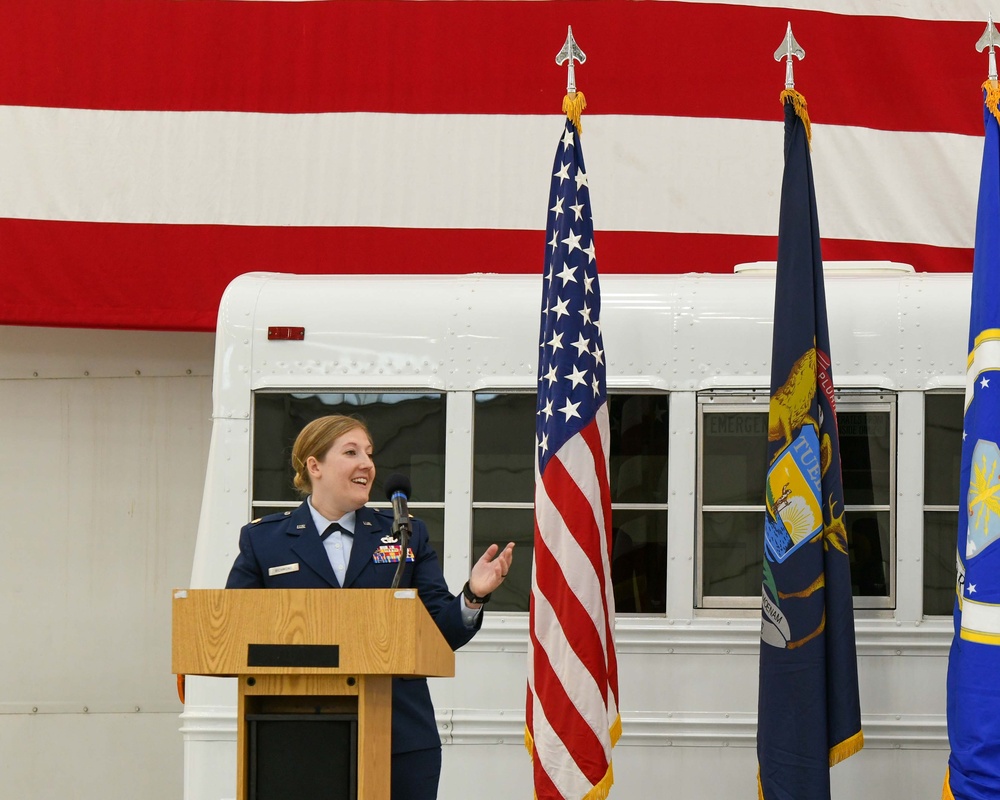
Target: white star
<point x="581" y="179"/>
<point x="547" y="411"/>
<point x="964" y="434"/>
<point x="570" y="410"/>
<point x="543" y="443"/>
<point x="572" y="241"/>
<point x="984" y="383"/>
<point x="567" y="274"/>
<point x="971" y="588"/>
<point x="587" y="285"/>
<point x="555" y="343"/>
<point x="560" y="308"/>
<point x="598" y="355"/>
<point x="551" y="377"/>
<point x="567" y="140"/>
<point x="596" y="386"/>
<point x="555" y="241"/>
<point x="590" y="252"/>
<point x="581" y="345"/>
<point x="597" y="324"/>
<point x="558" y="206"/>
<point x="562" y="174"/>
<point x="578" y="210"/>
<point x="576" y="377"/>
<point x="585" y="313"/>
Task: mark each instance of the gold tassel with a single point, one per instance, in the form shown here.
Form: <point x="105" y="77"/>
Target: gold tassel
<point x="946" y="789"/>
<point x="801" y="111"/>
<point x="573" y="105"/>
<point x="992" y="90"/>
<point x="847" y="748"/>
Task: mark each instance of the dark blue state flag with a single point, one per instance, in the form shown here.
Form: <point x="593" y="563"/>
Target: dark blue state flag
<point x="974" y="662"/>
<point x="809" y="714"/>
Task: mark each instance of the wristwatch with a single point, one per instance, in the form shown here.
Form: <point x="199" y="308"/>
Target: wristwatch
<point x="479" y="601"/>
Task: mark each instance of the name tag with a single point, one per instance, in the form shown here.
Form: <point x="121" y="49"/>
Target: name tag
<point x="389" y="554"/>
<point x="283" y="569"/>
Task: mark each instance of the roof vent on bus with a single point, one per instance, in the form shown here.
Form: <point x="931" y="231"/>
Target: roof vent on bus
<point x="834" y="268"/>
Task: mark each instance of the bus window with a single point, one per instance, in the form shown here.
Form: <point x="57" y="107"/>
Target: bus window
<point x="732" y="467"/>
<point x="943" y="415"/>
<point x="504" y="485"/>
<point x="408" y="430"/>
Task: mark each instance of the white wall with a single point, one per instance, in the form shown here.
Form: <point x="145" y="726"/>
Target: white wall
<point x="103" y="446"/>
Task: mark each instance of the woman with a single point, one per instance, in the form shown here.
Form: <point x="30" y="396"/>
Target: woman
<point x="334" y="541"/>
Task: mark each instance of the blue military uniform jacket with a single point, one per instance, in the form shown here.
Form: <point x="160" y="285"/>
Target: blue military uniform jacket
<point x="290" y="538"/>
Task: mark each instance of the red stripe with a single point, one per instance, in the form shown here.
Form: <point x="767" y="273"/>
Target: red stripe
<point x="171" y="277"/>
<point x="574" y="618"/>
<point x="485" y="57"/>
<point x="592" y="435"/>
<point x="566" y="721"/>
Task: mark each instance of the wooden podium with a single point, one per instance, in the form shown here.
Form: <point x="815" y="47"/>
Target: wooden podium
<point x="304" y="652"/>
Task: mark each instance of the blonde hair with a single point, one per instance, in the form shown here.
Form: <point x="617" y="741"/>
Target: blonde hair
<point x="315" y="439"/>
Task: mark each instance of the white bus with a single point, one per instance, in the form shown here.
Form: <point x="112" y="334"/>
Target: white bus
<point x="443" y="369"/>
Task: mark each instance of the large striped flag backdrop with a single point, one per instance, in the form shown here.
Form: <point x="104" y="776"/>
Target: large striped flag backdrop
<point x="809" y="712"/>
<point x="974" y="661"/>
<point x="571" y="712"/>
<point x="151" y="151"/>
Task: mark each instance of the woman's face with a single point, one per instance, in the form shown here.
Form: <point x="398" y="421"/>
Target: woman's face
<point x="343" y="477"/>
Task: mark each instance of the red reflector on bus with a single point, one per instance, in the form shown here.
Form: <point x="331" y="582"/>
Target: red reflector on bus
<point x="278" y="332"/>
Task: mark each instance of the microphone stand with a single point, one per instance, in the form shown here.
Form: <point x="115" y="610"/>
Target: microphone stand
<point x="403" y="532"/>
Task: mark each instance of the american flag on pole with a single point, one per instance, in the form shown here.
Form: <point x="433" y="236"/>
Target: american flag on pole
<point x="572" y="704"/>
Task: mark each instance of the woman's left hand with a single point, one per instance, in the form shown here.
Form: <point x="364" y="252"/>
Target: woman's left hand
<point x="490" y="570"/>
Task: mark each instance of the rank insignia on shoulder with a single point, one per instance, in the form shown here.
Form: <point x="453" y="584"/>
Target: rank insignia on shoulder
<point x="255" y="521"/>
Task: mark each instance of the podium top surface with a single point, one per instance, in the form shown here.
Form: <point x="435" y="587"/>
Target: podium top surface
<point x="230" y="632"/>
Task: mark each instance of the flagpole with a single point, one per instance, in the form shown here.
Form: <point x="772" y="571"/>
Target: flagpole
<point x="571" y="712"/>
<point x="808" y="713"/>
<point x="973" y="706"/>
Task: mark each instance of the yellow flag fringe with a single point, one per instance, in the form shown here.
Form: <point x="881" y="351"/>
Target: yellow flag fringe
<point x="801" y="111"/>
<point x="573" y="105"/>
<point x="992" y="89"/>
<point x="847" y="748"/>
<point x="946" y="789"/>
<point x="603" y="787"/>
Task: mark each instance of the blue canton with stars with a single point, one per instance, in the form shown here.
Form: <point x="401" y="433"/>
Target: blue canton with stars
<point x="572" y="377"/>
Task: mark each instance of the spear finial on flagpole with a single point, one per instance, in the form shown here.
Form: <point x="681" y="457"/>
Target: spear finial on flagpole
<point x="990" y="39"/>
<point x="787" y="49"/>
<point x="790" y="49"/>
<point x="574" y="102"/>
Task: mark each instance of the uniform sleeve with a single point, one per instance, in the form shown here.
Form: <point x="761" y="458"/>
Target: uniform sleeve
<point x="246" y="572"/>
<point x="444" y="607"/>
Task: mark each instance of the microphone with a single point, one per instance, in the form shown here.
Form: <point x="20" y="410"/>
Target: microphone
<point x="397" y="490"/>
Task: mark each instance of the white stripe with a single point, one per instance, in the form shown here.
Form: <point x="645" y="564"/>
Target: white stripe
<point x="573" y="674"/>
<point x="473" y="171"/>
<point x="555" y="758"/>
<point x="980" y="617"/>
<point x="985" y="357"/>
<point x="968" y="10"/>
